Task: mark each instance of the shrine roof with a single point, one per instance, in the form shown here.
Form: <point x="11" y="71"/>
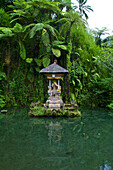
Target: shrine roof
<point x="54" y="68"/>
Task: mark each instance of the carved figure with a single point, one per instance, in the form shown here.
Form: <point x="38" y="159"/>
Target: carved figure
<point x="54" y="101"/>
<point x="59" y="87"/>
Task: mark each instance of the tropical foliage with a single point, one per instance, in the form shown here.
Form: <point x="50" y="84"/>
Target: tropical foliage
<point x="83" y="8"/>
<point x="35" y="32"/>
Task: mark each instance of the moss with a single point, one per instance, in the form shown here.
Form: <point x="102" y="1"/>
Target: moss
<point x="39" y="111"/>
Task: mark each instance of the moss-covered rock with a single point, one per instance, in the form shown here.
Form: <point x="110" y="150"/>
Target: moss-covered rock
<point x="39" y="111"/>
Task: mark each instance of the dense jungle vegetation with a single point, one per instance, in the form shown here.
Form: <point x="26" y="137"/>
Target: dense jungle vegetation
<point x="35" y="32"/>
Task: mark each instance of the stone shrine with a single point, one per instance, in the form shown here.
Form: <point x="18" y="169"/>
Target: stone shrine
<point x="54" y="73"/>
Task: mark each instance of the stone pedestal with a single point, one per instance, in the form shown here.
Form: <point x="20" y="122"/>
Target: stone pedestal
<point x="54" y="101"/>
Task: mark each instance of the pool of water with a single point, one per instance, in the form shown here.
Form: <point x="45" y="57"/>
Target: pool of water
<point x="84" y="143"/>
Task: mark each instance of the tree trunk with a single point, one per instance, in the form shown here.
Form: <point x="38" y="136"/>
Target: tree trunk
<point x="8" y="58"/>
<point x="68" y="87"/>
<point x="45" y="88"/>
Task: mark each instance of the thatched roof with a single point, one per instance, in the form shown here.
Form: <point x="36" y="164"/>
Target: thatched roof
<point x="54" y="68"/>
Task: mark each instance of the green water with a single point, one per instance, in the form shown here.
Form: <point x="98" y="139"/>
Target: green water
<point x="56" y="144"/>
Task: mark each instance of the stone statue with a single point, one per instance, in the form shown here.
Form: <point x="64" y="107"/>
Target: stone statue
<point x="54" y="101"/>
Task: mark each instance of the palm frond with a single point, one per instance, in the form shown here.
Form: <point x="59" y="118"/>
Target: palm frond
<point x="88" y="8"/>
<point x="86" y="16"/>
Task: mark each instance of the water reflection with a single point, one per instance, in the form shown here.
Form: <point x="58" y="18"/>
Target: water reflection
<point x="52" y="144"/>
<point x="105" y="166"/>
<point x="54" y="132"/>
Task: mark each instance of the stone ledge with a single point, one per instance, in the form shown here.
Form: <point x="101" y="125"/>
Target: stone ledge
<point x="4" y="111"/>
<point x="39" y="111"/>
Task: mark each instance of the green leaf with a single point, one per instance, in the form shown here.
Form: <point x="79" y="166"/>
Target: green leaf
<point x="38" y="62"/>
<point x="80" y="84"/>
<point x="14" y="20"/>
<point x="35" y="12"/>
<point x="77" y="53"/>
<point x="22" y="50"/>
<point x="32" y="32"/>
<point x="17" y="28"/>
<point x="37" y="69"/>
<point x="29" y="60"/>
<point x="2" y="76"/>
<point x="96" y="76"/>
<point x="3" y="35"/>
<point x="28" y="26"/>
<point x="51" y="29"/>
<point x="62" y="20"/>
<point x="111" y="105"/>
<point x="63" y="47"/>
<point x="36" y="28"/>
<point x="55" y="43"/>
<point x="46" y="61"/>
<point x="6" y="30"/>
<point x="30" y="75"/>
<point x="85" y="73"/>
<point x="56" y="52"/>
<point x="45" y="38"/>
<point x="73" y="97"/>
<point x="73" y="82"/>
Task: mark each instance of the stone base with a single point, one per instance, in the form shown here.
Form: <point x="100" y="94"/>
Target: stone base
<point x="39" y="111"/>
<point x="54" y="103"/>
<point x="54" y="106"/>
<point x="3" y="111"/>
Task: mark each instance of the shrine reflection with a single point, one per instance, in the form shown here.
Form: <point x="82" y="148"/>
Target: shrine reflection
<point x="54" y="132"/>
<point x="105" y="166"/>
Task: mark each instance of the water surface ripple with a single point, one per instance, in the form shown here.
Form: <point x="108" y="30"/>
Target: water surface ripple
<point x="56" y="143"/>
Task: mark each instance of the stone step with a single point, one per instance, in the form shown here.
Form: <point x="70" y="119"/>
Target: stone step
<point x="3" y="111"/>
<point x="67" y="105"/>
<point x="69" y="108"/>
<point x="73" y="113"/>
<point x="55" y="102"/>
<point x="54" y="106"/>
